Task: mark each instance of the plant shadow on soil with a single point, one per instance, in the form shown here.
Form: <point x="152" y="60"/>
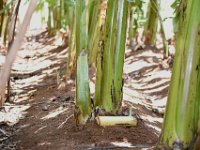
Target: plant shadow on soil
<point x="50" y="106"/>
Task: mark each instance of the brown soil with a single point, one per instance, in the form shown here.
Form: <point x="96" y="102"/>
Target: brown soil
<point x="145" y="91"/>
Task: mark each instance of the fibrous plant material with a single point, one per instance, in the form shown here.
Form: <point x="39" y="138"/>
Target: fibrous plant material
<point x="116" y="120"/>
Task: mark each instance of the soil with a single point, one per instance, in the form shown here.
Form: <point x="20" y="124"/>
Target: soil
<point x="48" y="122"/>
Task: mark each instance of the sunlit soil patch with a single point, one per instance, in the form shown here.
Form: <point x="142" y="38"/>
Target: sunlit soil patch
<point x="135" y="66"/>
<point x="146" y="85"/>
<point x="41" y="128"/>
<point x="12" y="113"/>
<point x="54" y="113"/>
<point x="122" y="144"/>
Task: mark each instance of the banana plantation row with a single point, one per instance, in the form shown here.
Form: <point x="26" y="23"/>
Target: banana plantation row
<point x="98" y="31"/>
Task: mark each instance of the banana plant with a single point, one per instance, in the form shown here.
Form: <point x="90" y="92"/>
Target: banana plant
<point x="180" y="129"/>
<point x="135" y="14"/>
<point x="111" y="57"/>
<point x="6" y="12"/>
<point x="4" y="9"/>
<point x="119" y="53"/>
<point x="108" y="51"/>
<point x="151" y="23"/>
<point x="83" y="102"/>
<point x="70" y="8"/>
<point x="95" y="24"/>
